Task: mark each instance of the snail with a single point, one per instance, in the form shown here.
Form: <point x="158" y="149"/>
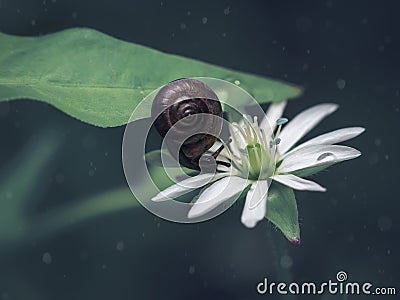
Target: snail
<point x="189" y="101"/>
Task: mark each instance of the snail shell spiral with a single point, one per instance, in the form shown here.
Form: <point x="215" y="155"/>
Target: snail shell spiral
<point x="184" y="99"/>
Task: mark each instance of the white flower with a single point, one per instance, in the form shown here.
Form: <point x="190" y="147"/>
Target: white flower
<point x="261" y="154"/>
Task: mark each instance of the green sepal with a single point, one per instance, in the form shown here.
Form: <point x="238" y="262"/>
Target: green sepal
<point x="282" y="211"/>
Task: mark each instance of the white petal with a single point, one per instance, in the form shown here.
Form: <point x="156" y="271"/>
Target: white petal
<point x="187" y="185"/>
<point x="217" y="193"/>
<point x="237" y="141"/>
<point x="298" y="183"/>
<point x="316" y="155"/>
<point x="274" y="112"/>
<point x="332" y="137"/>
<point x="256" y="204"/>
<point x="301" y="124"/>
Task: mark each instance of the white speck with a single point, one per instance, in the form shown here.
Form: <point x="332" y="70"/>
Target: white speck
<point x="33" y="22"/>
<point x="381" y="48"/>
<point x="378" y="142"/>
<point x="305" y="67"/>
<point x="387" y="157"/>
<point x="74" y="15"/>
<point x="308" y="51"/>
<point x="227" y="11"/>
<point x="384" y="223"/>
<point x="104" y="266"/>
<point x="192" y="270"/>
<point x="204" y="20"/>
<point x="223" y="34"/>
<point x="183" y="26"/>
<point x="120" y="246"/>
<point x="46" y="258"/>
<point x="91" y="172"/>
<point x="341" y="83"/>
<point x="286" y="262"/>
<point x="189" y="13"/>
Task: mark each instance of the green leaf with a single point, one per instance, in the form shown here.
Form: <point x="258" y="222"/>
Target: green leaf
<point x="282" y="211"/>
<point x="310" y="171"/>
<point x="154" y="158"/>
<point x="100" y="80"/>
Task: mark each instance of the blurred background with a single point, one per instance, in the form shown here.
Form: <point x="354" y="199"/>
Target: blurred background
<point x="339" y="51"/>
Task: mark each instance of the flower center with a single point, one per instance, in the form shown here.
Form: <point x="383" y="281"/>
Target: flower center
<point x="256" y="154"/>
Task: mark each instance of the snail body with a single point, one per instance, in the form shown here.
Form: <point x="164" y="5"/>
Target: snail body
<point x="180" y="109"/>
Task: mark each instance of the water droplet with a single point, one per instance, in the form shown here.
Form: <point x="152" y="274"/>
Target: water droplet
<point x="385" y="223"/>
<point x="120" y="246"/>
<point x="192" y="270"/>
<point x="341" y="83"/>
<point x="325" y="156"/>
<point x="46" y="258"/>
<point x="286" y="262"/>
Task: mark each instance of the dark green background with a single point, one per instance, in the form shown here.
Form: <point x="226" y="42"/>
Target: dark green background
<point x="352" y="227"/>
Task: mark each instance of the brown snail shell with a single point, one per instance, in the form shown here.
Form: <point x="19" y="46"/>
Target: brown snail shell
<point x="184" y="99"/>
